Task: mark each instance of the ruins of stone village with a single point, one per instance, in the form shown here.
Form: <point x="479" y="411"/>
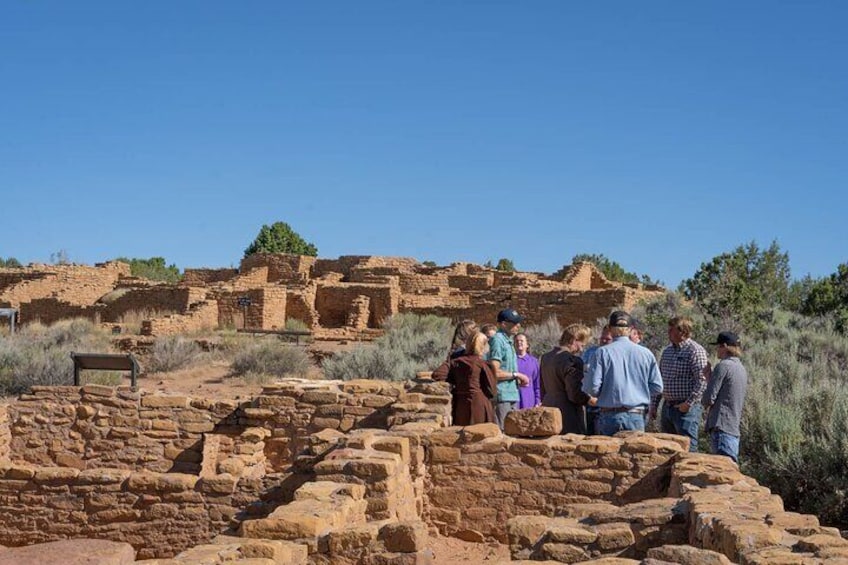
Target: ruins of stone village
<point x="357" y="472"/>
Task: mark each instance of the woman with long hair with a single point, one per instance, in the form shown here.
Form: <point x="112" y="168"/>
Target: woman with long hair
<point x="474" y="383"/>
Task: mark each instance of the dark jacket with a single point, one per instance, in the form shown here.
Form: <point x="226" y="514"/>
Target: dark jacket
<point x="562" y="380"/>
<point x="474" y="385"/>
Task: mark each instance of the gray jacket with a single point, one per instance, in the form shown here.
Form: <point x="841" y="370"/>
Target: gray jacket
<point x="725" y="396"/>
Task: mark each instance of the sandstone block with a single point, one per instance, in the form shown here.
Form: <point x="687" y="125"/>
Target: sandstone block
<point x="404" y="537"/>
<point x="571" y="533"/>
<point x="817" y="542"/>
<point x="18" y="472"/>
<point x="562" y="552"/>
<point x="687" y="554"/>
<point x="479" y="432"/>
<point x="541" y="421"/>
<point x="345" y="540"/>
<point x="102" y="476"/>
<point x="232" y="466"/>
<point x="98" y="390"/>
<point x="598" y="445"/>
<point x="218" y="484"/>
<point x="164" y="401"/>
<point x="54" y="475"/>
<point x="320" y="397"/>
<point x="440" y="454"/>
<point x="614" y="536"/>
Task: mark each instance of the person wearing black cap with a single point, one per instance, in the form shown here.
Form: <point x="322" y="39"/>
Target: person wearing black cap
<point x="623" y="377"/>
<point x="725" y="396"/>
<point x="504" y="361"/>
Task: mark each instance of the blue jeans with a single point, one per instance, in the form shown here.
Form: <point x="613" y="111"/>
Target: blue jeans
<point x="724" y="444"/>
<point x="610" y="423"/>
<point x="674" y="421"/>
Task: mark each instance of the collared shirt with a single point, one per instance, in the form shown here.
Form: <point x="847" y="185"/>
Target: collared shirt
<point x="530" y="395"/>
<point x="501" y="350"/>
<point x="682" y="366"/>
<point x="725" y="396"/>
<point x="623" y="375"/>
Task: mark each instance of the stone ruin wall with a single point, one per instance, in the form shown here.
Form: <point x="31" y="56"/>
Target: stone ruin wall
<point x="358" y="472"/>
<point x="351" y="293"/>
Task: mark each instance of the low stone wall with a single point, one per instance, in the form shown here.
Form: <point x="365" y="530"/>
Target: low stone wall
<point x="478" y="478"/>
<point x="158" y="514"/>
<point x="295" y="409"/>
<point x="96" y="426"/>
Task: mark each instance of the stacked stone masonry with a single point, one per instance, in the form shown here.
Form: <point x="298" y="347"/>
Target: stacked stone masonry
<point x="363" y="472"/>
<point x="337" y="298"/>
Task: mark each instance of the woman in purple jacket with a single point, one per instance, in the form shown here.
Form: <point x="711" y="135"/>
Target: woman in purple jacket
<point x="530" y="395"/>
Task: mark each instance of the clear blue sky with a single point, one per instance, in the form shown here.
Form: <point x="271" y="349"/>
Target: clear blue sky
<point x="659" y="133"/>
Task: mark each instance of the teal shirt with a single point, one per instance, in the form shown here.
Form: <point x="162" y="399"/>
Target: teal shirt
<point x="500" y="349"/>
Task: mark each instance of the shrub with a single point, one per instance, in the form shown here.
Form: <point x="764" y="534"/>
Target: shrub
<point x="411" y="343"/>
<point x="543" y="337"/>
<point x="271" y="358"/>
<point x="171" y="353"/>
<point x="40" y="355"/>
<point x="154" y="269"/>
<point x="795" y="424"/>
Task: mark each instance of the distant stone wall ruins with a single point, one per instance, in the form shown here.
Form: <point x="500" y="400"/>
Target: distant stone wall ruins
<point x="335" y="297"/>
<point x="360" y="472"/>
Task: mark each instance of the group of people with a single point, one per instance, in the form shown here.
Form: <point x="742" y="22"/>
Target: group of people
<point x="615" y="385"/>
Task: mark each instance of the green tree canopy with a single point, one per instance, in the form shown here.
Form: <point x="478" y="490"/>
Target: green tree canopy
<point x="503" y="264"/>
<point x="742" y="285"/>
<point x="829" y="295"/>
<point x="10" y="263"/>
<point x="154" y="269"/>
<point x="611" y="269"/>
<point x="280" y="238"/>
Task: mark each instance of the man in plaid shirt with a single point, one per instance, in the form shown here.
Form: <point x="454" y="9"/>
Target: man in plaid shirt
<point x="684" y="366"/>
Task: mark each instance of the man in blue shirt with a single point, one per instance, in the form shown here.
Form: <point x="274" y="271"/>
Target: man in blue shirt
<point x="623" y="377"/>
<point x="504" y="363"/>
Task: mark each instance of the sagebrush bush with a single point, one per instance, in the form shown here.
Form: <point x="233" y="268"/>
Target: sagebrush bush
<point x="41" y="355"/>
<point x="543" y="337"/>
<point x="271" y="358"/>
<point x="171" y="353"/>
<point x="795" y="423"/>
<point x="411" y="343"/>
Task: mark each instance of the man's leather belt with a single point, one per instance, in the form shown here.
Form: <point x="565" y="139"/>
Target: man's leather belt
<point x="636" y="410"/>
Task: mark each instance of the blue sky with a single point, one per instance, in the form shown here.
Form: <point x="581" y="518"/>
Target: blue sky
<point x="659" y="133"/>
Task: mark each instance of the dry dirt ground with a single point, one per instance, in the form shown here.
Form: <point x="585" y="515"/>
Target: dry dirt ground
<point x="212" y="379"/>
<point x="451" y="551"/>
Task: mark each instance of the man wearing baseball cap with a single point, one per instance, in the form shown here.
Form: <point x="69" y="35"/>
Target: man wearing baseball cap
<point x="725" y="396"/>
<point x="504" y="362"/>
<point x="623" y="377"/>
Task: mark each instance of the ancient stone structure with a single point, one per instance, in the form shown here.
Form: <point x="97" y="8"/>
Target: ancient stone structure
<point x="363" y="472"/>
<point x="348" y="296"/>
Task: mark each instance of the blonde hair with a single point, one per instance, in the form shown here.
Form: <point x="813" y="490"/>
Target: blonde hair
<point x="683" y="324"/>
<point x="476" y="344"/>
<point x="734" y="350"/>
<point x="573" y="332"/>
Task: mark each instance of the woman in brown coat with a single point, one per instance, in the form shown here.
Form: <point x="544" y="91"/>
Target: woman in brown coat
<point x="474" y="383"/>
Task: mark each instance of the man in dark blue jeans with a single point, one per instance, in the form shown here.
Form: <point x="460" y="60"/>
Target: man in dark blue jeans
<point x="685" y="367"/>
<point x="623" y="377"/>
